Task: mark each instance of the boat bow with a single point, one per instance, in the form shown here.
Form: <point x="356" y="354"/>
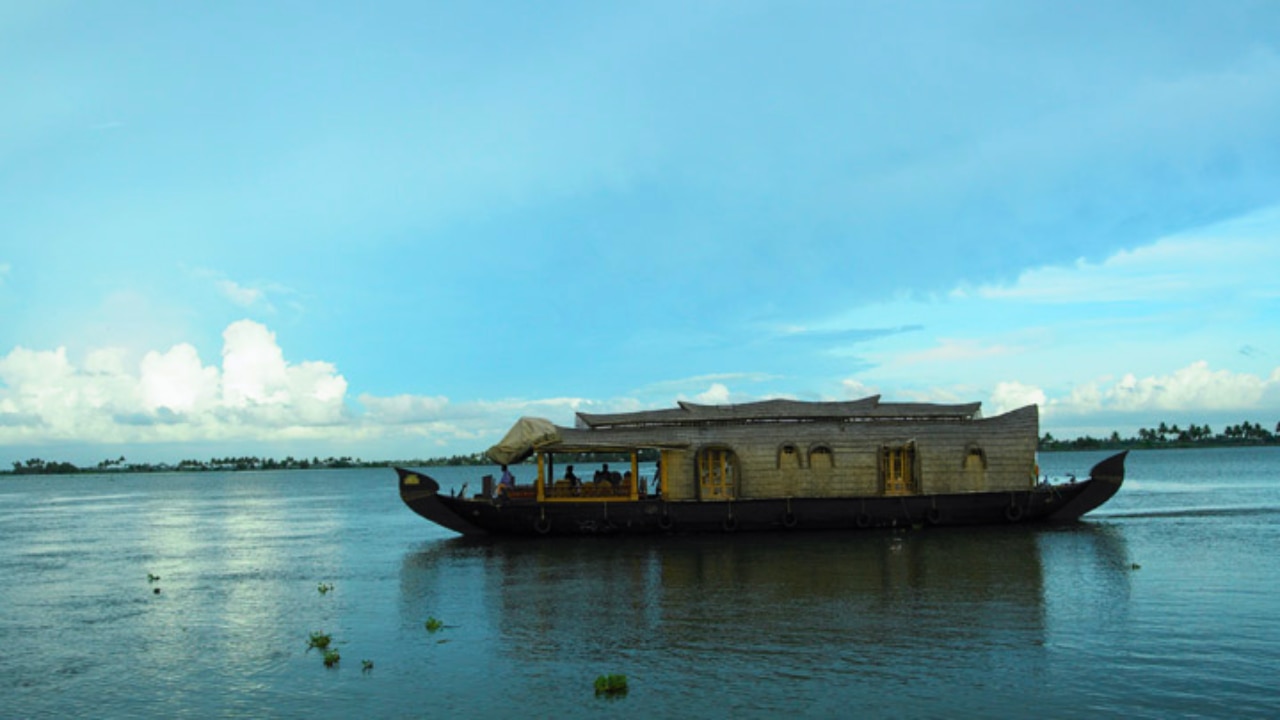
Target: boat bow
<point x="422" y="494"/>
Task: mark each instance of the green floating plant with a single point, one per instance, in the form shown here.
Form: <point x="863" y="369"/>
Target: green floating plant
<point x="366" y="665"/>
<point x="611" y="685"/>
<point x="331" y="657"/>
<point x="152" y="578"/>
<point x="319" y="640"/>
<point x="434" y="625"/>
<point x="324" y="588"/>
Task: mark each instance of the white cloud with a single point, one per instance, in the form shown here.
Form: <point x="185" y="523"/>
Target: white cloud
<point x="1193" y="389"/>
<point x="1172" y="269"/>
<point x="253" y="368"/>
<point x="1013" y="395"/>
<point x="255" y="295"/>
<point x="855" y="390"/>
<point x="950" y="350"/>
<point x="679" y="388"/>
<point x="245" y="297"/>
<point x="403" y="409"/>
<point x="170" y="396"/>
<point x="177" y="381"/>
<point x="718" y="393"/>
<point x="254" y="396"/>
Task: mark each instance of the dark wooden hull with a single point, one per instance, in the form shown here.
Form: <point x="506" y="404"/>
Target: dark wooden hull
<point x="1045" y="503"/>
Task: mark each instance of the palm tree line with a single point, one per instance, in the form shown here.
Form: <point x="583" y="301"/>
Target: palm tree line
<point x="1171" y="436"/>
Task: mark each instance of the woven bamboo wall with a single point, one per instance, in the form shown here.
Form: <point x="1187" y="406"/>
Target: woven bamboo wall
<point x="1003" y="450"/>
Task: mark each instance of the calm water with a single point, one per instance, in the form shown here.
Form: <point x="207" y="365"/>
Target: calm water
<point x="997" y="622"/>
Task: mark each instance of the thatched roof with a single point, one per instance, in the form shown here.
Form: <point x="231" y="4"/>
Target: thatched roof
<point x="868" y="408"/>
<point x="671" y="428"/>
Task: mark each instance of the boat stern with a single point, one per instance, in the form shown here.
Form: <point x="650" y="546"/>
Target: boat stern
<point x="1104" y="481"/>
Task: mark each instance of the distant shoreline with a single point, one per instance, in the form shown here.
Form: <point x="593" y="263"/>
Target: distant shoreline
<point x="36" y="466"/>
<point x="249" y="464"/>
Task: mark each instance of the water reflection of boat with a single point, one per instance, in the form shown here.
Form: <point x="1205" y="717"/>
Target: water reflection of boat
<point x="751" y="595"/>
<point x="896" y="597"/>
<point x="774" y="465"/>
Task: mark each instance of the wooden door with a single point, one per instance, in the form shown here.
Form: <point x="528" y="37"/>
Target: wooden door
<point x="716" y="474"/>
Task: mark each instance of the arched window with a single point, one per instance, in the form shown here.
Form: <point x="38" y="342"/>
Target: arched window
<point x="975" y="458"/>
<point x="821" y="457"/>
<point x="788" y="457"/>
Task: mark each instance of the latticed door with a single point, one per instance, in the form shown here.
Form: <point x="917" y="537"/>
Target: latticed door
<point x="715" y="474"/>
<point x="897" y="466"/>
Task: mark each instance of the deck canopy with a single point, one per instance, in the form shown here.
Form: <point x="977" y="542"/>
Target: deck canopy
<point x="572" y="440"/>
<point x="521" y="440"/>
<point x="866" y="409"/>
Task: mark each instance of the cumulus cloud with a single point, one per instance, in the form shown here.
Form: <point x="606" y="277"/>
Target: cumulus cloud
<point x="175" y="381"/>
<point x="718" y="393"/>
<point x="253" y="395"/>
<point x="1192" y="389"/>
<point x="1013" y="395"/>
<point x="169" y="396"/>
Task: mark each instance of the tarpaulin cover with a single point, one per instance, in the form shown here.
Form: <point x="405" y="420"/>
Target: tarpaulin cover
<point x="521" y="439"/>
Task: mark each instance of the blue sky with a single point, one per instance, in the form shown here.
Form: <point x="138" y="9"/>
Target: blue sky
<point x="390" y="230"/>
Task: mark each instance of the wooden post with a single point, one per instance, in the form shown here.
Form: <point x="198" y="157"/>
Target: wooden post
<point x="635" y="476"/>
<point x="538" y="483"/>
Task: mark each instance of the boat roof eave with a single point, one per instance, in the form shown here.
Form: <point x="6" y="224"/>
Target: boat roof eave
<point x="580" y="447"/>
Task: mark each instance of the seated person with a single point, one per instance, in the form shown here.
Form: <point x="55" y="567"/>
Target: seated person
<point x="506" y="483"/>
<point x="575" y="484"/>
<point x="602" y="475"/>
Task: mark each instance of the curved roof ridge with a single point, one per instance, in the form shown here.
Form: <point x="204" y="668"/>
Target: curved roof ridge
<point x="778" y="409"/>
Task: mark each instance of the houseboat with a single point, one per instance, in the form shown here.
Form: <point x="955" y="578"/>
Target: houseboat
<point x="779" y="465"/>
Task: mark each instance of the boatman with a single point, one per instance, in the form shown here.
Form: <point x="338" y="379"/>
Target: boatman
<point x="506" y="483"/>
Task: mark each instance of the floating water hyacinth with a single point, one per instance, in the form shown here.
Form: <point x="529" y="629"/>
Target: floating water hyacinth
<point x="319" y="640"/>
<point x="611" y="685"/>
